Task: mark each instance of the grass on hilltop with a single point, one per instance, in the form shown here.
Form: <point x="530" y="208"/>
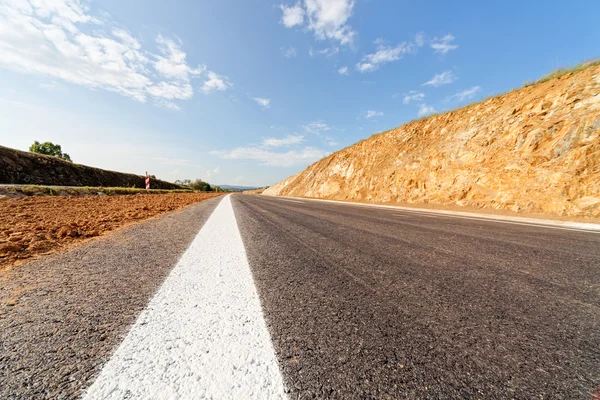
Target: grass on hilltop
<point x="564" y="71"/>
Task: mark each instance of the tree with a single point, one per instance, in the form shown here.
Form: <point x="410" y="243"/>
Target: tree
<point x="198" y="184"/>
<point x="49" y="149"/>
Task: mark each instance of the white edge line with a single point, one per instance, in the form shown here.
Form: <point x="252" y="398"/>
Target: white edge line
<point x="542" y="223"/>
<point x="293" y="201"/>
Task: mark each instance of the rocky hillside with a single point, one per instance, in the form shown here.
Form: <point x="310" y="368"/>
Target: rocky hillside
<point x="535" y="150"/>
<point x="22" y="167"/>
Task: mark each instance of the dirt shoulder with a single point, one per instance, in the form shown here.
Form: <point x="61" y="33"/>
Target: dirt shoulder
<point x="35" y="226"/>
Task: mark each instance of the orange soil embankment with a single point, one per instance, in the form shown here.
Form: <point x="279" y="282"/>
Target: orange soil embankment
<point x="535" y="150"/>
<point x="39" y="225"/>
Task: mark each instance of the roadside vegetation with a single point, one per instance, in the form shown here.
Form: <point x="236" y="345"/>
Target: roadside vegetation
<point x="564" y="71"/>
<point x="200" y="185"/>
<point x="49" y="149"/>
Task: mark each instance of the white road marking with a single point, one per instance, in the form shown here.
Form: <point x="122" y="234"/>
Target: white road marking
<point x="293" y="201"/>
<point x="541" y="223"/>
<point x="436" y="215"/>
<point x="419" y="214"/>
<point x="203" y="334"/>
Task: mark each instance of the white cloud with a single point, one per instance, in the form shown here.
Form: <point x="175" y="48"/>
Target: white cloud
<point x="330" y="141"/>
<point x="443" y="45"/>
<point x="289" y="52"/>
<point x="289" y="140"/>
<point x="413" y="95"/>
<point x="61" y="40"/>
<point x="440" y="79"/>
<point x="386" y="54"/>
<point x="174" y="161"/>
<point x="343" y="71"/>
<point x="173" y="62"/>
<point x="465" y="94"/>
<point x="171" y="91"/>
<point x="327" y="19"/>
<point x="271" y="158"/>
<point x="215" y="83"/>
<point x="373" y="113"/>
<point x="52" y="86"/>
<point x="424" y="109"/>
<point x="316" y="127"/>
<point x="292" y="16"/>
<point x="208" y="174"/>
<point x="265" y="103"/>
<point x="169" y="105"/>
<point x="419" y="39"/>
<point x="329" y="51"/>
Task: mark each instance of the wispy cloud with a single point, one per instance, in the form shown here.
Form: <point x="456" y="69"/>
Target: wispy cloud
<point x="440" y="79"/>
<point x="272" y="158"/>
<point x="413" y="95"/>
<point x="329" y="51"/>
<point x="372" y="113"/>
<point x="343" y="71"/>
<point x="289" y="52"/>
<point x="265" y="103"/>
<point x="168" y="105"/>
<point x="316" y="127"/>
<point x="424" y="109"/>
<point x="62" y="40"/>
<point x="52" y="86"/>
<point x="174" y="161"/>
<point x="443" y="45"/>
<point x="327" y="19"/>
<point x="330" y="141"/>
<point x="210" y="173"/>
<point x="465" y="94"/>
<point x="386" y="54"/>
<point x="289" y="140"/>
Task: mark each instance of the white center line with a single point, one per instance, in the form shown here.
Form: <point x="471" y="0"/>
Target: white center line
<point x="203" y="335"/>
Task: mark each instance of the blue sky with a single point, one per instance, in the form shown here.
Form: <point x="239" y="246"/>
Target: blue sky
<point x="251" y="92"/>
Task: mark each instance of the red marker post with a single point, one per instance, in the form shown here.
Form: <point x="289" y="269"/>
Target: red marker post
<point x="147" y="181"/>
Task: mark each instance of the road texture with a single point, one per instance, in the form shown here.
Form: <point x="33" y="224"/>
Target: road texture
<point x="333" y="300"/>
<point x="364" y="302"/>
<point x="61" y="317"/>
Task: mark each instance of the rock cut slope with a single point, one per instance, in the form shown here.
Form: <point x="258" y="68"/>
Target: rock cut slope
<point x="536" y="149"/>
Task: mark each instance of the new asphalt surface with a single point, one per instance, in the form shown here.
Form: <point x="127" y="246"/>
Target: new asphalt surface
<point x="360" y="302"/>
<point x="371" y="303"/>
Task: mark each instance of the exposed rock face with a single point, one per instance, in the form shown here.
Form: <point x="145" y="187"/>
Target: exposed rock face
<point x="536" y="149"/>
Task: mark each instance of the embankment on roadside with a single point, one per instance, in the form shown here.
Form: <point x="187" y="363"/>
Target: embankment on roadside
<point x="533" y="150"/>
<point x="25" y="168"/>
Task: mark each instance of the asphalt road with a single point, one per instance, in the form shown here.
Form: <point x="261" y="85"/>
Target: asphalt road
<point x="366" y="302"/>
<point x="352" y="302"/>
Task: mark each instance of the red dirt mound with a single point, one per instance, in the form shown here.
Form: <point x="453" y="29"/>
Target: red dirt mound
<point x="38" y="225"/>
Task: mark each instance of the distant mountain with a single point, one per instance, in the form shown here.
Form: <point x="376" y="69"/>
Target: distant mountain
<point x="240" y="188"/>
